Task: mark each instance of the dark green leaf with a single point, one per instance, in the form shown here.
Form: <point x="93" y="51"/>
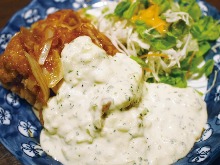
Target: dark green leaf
<point x="179" y="29"/>
<point x="145" y="3"/>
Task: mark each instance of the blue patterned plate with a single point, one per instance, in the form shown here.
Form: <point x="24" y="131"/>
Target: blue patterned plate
<point x="20" y="129"/>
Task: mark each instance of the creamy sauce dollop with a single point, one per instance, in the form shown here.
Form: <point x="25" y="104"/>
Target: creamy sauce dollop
<point x="105" y="113"/>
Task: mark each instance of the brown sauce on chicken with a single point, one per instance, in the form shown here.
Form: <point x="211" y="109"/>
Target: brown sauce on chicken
<point x="44" y="40"/>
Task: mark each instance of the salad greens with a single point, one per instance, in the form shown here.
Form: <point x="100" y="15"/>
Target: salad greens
<point x="191" y="7"/>
<point x="168" y="38"/>
<point x="206" y="29"/>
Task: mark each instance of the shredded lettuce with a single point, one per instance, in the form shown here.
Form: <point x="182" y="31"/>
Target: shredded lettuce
<point x="175" y="16"/>
<point x="191" y="7"/>
<point x="173" y="54"/>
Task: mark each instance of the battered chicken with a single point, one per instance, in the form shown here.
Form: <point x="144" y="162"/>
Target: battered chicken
<point x="31" y="66"/>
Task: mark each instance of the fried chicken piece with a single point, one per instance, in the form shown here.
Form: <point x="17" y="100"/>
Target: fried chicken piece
<point x="31" y="66"/>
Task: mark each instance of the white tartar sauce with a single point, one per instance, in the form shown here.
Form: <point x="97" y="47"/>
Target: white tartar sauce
<point x="104" y="113"/>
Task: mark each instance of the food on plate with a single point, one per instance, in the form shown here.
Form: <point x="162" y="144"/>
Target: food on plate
<point x="112" y="86"/>
<point x="31" y="66"/>
<point x="105" y="113"/>
<point x="168" y="38"/>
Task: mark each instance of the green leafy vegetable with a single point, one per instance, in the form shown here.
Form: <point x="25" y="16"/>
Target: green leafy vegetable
<point x="204" y="47"/>
<point x="163" y="43"/>
<point x="130" y="11"/>
<point x="141" y="28"/>
<point x="206" y="29"/>
<point x="139" y="61"/>
<point x="185" y="41"/>
<point x="122" y="7"/>
<point x="178" y="29"/>
<point x="176" y="78"/>
<point x="208" y="67"/>
<point x="145" y="3"/>
<point x="193" y="66"/>
<point x="191" y="7"/>
<point x="163" y="4"/>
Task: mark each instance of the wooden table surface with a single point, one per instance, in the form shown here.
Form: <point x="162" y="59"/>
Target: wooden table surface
<point x="7" y="9"/>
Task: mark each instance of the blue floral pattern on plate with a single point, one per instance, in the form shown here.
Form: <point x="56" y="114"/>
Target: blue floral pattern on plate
<point x="20" y="129"/>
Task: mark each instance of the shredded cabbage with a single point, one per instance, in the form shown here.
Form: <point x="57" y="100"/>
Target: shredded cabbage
<point x="121" y="33"/>
<point x="172" y="16"/>
<point x="172" y="54"/>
